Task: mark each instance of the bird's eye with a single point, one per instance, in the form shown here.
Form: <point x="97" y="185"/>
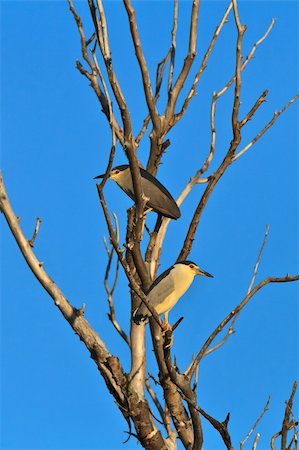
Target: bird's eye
<point x="116" y="172"/>
<point x="191" y="266"/>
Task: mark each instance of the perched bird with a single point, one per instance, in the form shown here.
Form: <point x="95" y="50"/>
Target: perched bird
<point x="168" y="288"/>
<point x="159" y="199"/>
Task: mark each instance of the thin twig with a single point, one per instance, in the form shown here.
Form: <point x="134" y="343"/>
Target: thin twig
<point x="142" y="64"/>
<point x="84" y="42"/>
<point x="156" y="401"/>
<point x="173" y="44"/>
<point x="258" y="103"/>
<point x="100" y="26"/>
<point x="286" y="279"/>
<point x="296" y="433"/>
<point x="112" y="121"/>
<point x="231" y="153"/>
<point x="103" y="30"/>
<point x="255" y="442"/>
<point x="159" y="78"/>
<point x="231" y="329"/>
<point x="229" y="332"/>
<point x="257" y="263"/>
<point x="287" y="423"/>
<point x="92" y="76"/>
<point x="74" y="317"/>
<point x="195" y="379"/>
<point x="160" y="73"/>
<point x="109" y="290"/>
<point x="188" y="61"/>
<point x="265" y="409"/>
<point x="203" y="65"/>
<point x="266" y="127"/>
<point x="247" y="59"/>
<point x="279" y="433"/>
<point x="35" y="233"/>
<point x="156" y="242"/>
<point x="237" y="100"/>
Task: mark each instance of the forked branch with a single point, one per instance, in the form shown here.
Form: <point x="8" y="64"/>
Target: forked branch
<point x="151" y="104"/>
<point x="110" y="290"/>
<point x="114" y="377"/>
<point x="286" y="279"/>
<point x="288" y="424"/>
<point x="265" y="409"/>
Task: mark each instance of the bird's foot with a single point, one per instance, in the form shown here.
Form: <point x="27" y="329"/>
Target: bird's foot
<point x="166" y="327"/>
<point x="168" y="345"/>
<point x="168" y="336"/>
<point x="147" y="210"/>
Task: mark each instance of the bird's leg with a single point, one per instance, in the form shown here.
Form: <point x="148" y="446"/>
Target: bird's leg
<point x="165" y="324"/>
<point x="147" y="229"/>
<point x="147" y="210"/>
<point x="167" y="332"/>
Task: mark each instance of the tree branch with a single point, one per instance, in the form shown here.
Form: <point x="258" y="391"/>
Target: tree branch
<point x="258" y="103"/>
<point x="248" y="58"/>
<point x="114" y="378"/>
<point x="266" y="128"/>
<point x="133" y="284"/>
<point x="109" y="290"/>
<point x="203" y="65"/>
<point x="187" y="63"/>
<point x="287" y="423"/>
<point x="35" y="233"/>
<point x="100" y="26"/>
<point x="173" y="45"/>
<point x="286" y="279"/>
<point x="231" y="154"/>
<point x="92" y="76"/>
<point x="178" y="413"/>
<point x="235" y="113"/>
<point x="265" y="409"/>
<point x="231" y="330"/>
<point x="142" y="65"/>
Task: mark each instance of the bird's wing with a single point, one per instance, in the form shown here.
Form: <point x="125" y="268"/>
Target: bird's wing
<point x="158" y="279"/>
<point x="160" y="198"/>
<point x="159" y="289"/>
<point x="147" y="176"/>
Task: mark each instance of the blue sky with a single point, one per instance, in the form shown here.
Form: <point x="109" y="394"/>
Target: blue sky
<point x="55" y="140"/>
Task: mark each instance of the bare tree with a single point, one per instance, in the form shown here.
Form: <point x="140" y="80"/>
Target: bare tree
<point x="180" y="415"/>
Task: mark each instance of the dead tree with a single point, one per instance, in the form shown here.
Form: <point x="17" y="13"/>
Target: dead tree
<point x="181" y="416"/>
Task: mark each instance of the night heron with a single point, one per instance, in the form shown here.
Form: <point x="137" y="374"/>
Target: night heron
<point x="159" y="199"/>
<point x="168" y="288"/>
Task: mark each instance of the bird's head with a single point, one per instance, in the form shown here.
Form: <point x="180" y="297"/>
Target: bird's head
<point x="195" y="269"/>
<point x="115" y="172"/>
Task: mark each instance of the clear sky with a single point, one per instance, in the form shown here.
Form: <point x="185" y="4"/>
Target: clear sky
<point x="55" y="140"/>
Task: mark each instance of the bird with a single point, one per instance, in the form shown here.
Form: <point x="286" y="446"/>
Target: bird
<point x="159" y="199"/>
<point x="167" y="289"/>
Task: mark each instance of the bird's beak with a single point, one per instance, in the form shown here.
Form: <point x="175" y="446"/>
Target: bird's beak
<point x="99" y="176"/>
<point x="203" y="273"/>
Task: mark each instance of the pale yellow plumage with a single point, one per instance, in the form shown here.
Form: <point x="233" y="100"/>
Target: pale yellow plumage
<point x="168" y="288"/>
